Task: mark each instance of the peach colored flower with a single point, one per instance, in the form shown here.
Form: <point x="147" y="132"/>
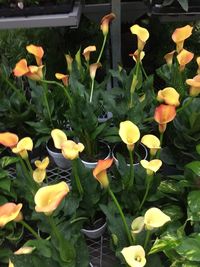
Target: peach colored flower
<point x="184" y="57"/>
<point x="48" y="198"/>
<point x="105" y="21"/>
<point x="164" y="114"/>
<point x="169" y="96"/>
<point x="169" y="57"/>
<point x="100" y="171"/>
<point x="93" y="69"/>
<point x="180" y="35"/>
<point x="87" y="51"/>
<point x="24" y="250"/>
<point x="194" y="85"/>
<point x="9" y="212"/>
<point x="37" y="51"/>
<point x="63" y="77"/>
<point x="8" y="139"/>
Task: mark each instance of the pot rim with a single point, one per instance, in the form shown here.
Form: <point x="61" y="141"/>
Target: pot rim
<point x="135" y="164"/>
<point x="95" y="230"/>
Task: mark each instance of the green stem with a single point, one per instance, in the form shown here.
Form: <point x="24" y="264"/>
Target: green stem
<point x="131" y="178"/>
<point x="47" y="106"/>
<point x="144" y="72"/>
<point x="30" y="229"/>
<point x="122" y="216"/>
<point x="161" y="141"/>
<point x="150" y="119"/>
<point x="29" y="166"/>
<point x="61" y="86"/>
<point x="54" y="228"/>
<point x="76" y="176"/>
<point x="91" y="91"/>
<point x="149" y="179"/>
<point x="148" y="234"/>
<point x="186" y="104"/>
<point x="102" y="48"/>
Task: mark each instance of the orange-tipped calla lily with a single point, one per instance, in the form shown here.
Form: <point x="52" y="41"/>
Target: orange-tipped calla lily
<point x="100" y="171"/>
<point x="40" y="173"/>
<point x="152" y="142"/>
<point x="24" y="250"/>
<point x="155" y="218"/>
<point x="9" y="212"/>
<point x="164" y="114"/>
<point x="21" y="68"/>
<point x="63" y="77"/>
<point x="8" y="139"/>
<point x="134" y="256"/>
<point x="169" y="57"/>
<point x="24" y="145"/>
<point x="69" y="60"/>
<point x="180" y="35"/>
<point x="184" y="57"/>
<point x="93" y="69"/>
<point x="129" y="133"/>
<point x="105" y="21"/>
<point x="142" y="35"/>
<point x="87" y="51"/>
<point x="59" y="137"/>
<point x="151" y="166"/>
<point x="32" y="72"/>
<point x="169" y="96"/>
<point x="137" y="55"/>
<point x="194" y="85"/>
<point x="71" y="150"/>
<point x="37" y="51"/>
<point x="48" y="198"/>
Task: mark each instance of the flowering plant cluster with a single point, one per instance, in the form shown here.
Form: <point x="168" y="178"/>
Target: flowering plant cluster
<point x="41" y="220"/>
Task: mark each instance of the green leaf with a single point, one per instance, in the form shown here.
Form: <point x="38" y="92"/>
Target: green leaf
<point x="190" y="248"/>
<point x="198" y="149"/>
<point x="43" y="247"/>
<point x="194" y="205"/>
<point x="167" y="242"/>
<point x="170" y="187"/>
<point x="194" y="166"/>
<point x="5" y="184"/>
<point x="6" y="161"/>
<point x="184" y="4"/>
<point x="174" y="212"/>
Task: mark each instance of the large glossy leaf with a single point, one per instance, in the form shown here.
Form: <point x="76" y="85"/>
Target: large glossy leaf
<point x="194" y="205"/>
<point x="194" y="166"/>
<point x="190" y="248"/>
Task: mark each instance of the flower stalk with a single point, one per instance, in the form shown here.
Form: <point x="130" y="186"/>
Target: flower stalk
<point x="30" y="229"/>
<point x="76" y="176"/>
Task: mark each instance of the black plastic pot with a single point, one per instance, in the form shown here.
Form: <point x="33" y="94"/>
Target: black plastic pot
<point x="44" y="8"/>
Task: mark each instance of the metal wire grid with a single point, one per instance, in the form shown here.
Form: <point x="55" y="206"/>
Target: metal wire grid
<point x="100" y="254"/>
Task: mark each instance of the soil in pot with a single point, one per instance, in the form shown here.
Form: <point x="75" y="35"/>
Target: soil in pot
<point x="103" y="151"/>
<point x="140" y="152"/>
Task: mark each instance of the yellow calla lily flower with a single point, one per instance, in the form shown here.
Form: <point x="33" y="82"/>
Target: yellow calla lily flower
<point x="142" y="35"/>
<point x="10" y="264"/>
<point x="9" y="212"/>
<point x="69" y="60"/>
<point x="100" y="172"/>
<point x="37" y="51"/>
<point x="169" y="96"/>
<point x="93" y="69"/>
<point x="24" y="250"/>
<point x="48" y="198"/>
<point x="105" y="21"/>
<point x="198" y="62"/>
<point x="59" y="137"/>
<point x="8" y="139"/>
<point x="63" y="77"/>
<point x="184" y="57"/>
<point x="134" y="256"/>
<point x="169" y="57"/>
<point x="155" y="218"/>
<point x="39" y="174"/>
<point x="24" y="145"/>
<point x="87" y="51"/>
<point x="152" y="142"/>
<point x="71" y="150"/>
<point x="180" y="35"/>
<point x="129" y="133"/>
<point x="194" y="85"/>
<point x="151" y="166"/>
<point x="137" y="225"/>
